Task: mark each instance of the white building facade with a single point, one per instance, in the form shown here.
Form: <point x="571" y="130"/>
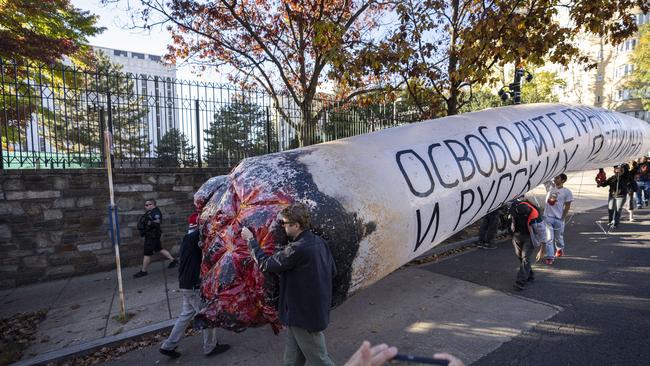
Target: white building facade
<point x="155" y="82"/>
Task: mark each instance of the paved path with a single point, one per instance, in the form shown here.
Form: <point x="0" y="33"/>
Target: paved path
<point x="457" y="305"/>
<point x="592" y="307"/>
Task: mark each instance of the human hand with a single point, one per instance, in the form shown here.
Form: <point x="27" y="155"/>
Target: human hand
<point x="371" y="356"/>
<point x="246" y="234"/>
<point x="453" y="360"/>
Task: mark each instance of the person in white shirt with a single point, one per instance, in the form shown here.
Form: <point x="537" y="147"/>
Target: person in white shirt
<point x="558" y="204"/>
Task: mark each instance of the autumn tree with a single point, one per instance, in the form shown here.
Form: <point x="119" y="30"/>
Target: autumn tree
<point x="34" y="35"/>
<point x="287" y="47"/>
<point x="541" y="89"/>
<point x="451" y="46"/>
<point x="640" y="78"/>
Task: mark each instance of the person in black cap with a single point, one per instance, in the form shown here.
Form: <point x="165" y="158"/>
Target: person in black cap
<point x="149" y="228"/>
<point x="189" y="281"/>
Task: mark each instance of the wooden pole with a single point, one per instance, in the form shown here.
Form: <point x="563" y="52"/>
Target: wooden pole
<point x="113" y="219"/>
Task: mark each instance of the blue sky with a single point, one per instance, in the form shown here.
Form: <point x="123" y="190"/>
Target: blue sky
<point x="115" y="18"/>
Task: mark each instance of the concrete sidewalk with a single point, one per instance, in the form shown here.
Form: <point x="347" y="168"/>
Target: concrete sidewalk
<point x="81" y="311"/>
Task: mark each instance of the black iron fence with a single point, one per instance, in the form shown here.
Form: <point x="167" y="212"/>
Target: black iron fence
<point x="55" y="117"/>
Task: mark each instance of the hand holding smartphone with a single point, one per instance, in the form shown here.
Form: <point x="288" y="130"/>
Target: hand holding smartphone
<point x="402" y="359"/>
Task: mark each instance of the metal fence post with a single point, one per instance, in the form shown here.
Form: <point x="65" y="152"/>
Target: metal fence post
<point x="101" y="131"/>
<point x="268" y="131"/>
<point x="110" y="124"/>
<point x="198" y="132"/>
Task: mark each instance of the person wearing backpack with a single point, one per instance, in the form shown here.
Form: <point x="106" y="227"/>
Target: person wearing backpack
<point x="149" y="228"/>
<point x="523" y="214"/>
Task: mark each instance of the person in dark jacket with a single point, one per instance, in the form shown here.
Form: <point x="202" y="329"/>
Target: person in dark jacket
<point x="306" y="269"/>
<point x="642" y="180"/>
<point x="189" y="282"/>
<point x="618" y="188"/>
<point x="149" y="228"/>
<point x="522" y="213"/>
<point x="632" y="187"/>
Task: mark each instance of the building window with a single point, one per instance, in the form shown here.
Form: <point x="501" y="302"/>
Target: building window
<point x="624" y="70"/>
<point x="599" y="98"/>
<point x="137" y="55"/>
<point x="627" y="94"/>
<point x="599" y="77"/>
<point x="144" y="84"/>
<point x="641" y="19"/>
<point x="120" y="53"/>
<point x="626" y="46"/>
<point x="600" y="55"/>
<point x="154" y="58"/>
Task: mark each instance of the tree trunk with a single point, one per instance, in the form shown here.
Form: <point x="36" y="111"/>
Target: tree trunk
<point x="307" y="126"/>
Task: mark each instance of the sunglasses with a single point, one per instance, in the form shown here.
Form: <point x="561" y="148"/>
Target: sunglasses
<point x="282" y="222"/>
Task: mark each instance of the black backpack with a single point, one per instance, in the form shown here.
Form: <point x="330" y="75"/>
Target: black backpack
<point x="142" y="225"/>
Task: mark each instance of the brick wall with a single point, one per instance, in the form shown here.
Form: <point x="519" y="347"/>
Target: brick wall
<point x="54" y="223"/>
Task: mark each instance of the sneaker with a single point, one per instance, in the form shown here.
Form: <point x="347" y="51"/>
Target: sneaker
<point x="173" y="263"/>
<point x="479" y="244"/>
<point x="531" y="278"/>
<point x="173" y="353"/>
<point x="559" y="253"/>
<point x="548" y="261"/>
<point x="519" y="285"/>
<point x="219" y="348"/>
<point x="638" y="206"/>
<point x="140" y="274"/>
<point x="487" y="246"/>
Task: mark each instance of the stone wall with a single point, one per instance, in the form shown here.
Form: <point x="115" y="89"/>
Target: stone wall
<point x="54" y="223"/>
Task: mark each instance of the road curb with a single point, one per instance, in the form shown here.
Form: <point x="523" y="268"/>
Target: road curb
<point x="88" y="347"/>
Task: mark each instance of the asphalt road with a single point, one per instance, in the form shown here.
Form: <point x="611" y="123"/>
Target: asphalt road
<point x="599" y="292"/>
<point x="602" y="285"/>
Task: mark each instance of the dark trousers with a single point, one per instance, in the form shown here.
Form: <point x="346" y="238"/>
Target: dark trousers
<point x="524" y="251"/>
<point x="488" y="230"/>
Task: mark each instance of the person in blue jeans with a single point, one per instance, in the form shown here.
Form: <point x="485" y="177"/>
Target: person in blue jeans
<point x="189" y="281"/>
<point x="558" y="204"/>
<point x="618" y="189"/>
<point x="642" y="179"/>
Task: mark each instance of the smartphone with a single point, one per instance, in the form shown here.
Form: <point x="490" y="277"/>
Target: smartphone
<point x="411" y="360"/>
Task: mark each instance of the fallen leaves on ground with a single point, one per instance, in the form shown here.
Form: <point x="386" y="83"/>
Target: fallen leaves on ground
<point x="106" y="354"/>
<point x="17" y="332"/>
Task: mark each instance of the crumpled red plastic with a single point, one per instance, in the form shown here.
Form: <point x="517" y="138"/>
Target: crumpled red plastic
<point x="237" y="294"/>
